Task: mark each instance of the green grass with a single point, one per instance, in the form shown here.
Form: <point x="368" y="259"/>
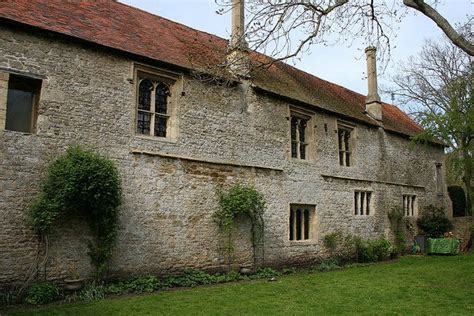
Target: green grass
<point x="411" y="286"/>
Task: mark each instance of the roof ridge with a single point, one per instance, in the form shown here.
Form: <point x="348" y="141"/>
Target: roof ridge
<point x="169" y="20"/>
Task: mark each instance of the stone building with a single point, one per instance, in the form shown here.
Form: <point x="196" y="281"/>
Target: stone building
<point x="325" y="158"/>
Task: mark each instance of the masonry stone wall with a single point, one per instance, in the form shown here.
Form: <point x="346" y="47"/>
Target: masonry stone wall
<point x="225" y="135"/>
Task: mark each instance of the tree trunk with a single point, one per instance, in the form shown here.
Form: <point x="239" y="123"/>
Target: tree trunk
<point x="467" y="176"/>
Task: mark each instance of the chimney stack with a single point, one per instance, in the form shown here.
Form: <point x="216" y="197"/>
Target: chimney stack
<point x="373" y="106"/>
<point x="237" y="58"/>
<point x="237" y="40"/>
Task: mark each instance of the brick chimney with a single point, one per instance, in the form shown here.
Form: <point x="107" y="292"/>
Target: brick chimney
<point x="237" y="57"/>
<point x="373" y="106"/>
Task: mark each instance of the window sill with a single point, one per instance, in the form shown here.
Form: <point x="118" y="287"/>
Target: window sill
<point x="307" y="242"/>
<point x="303" y="161"/>
<point x="156" y="138"/>
<point x="18" y="132"/>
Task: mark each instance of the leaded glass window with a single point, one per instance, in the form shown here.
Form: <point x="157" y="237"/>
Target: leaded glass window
<point x="344" y="142"/>
<point x="298" y="136"/>
<point x="153" y="120"/>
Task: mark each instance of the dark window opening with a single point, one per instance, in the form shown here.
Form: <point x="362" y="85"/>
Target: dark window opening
<point x="300" y="222"/>
<point x="362" y="201"/>
<point x="22" y="100"/>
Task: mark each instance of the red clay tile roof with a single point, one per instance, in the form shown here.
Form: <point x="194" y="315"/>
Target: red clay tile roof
<point x="118" y="26"/>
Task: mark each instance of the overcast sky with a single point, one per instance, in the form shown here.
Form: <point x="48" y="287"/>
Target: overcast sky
<point x="338" y="64"/>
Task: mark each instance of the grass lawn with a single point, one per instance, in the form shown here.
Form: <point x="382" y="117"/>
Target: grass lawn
<point x="413" y="285"/>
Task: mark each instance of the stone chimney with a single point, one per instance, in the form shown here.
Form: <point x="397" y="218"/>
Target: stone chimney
<point x="373" y="106"/>
<point x="237" y="57"/>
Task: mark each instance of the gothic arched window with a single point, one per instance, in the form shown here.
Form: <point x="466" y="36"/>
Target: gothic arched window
<point x="153" y="107"/>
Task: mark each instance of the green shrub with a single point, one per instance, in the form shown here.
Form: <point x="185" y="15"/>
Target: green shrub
<point x="92" y="292"/>
<point x="265" y="273"/>
<point x="373" y="250"/>
<point x="332" y="240"/>
<point x="41" y="293"/>
<point x="81" y="182"/>
<point x="143" y="284"/>
<point x="328" y="265"/>
<point x="395" y="217"/>
<point x="8" y="297"/>
<point x="434" y="222"/>
<point x="190" y="278"/>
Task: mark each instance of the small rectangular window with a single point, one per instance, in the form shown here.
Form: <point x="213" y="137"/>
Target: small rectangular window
<point x="409" y="205"/>
<point x="344" y="134"/>
<point x="22" y="101"/>
<point x="362" y="202"/>
<point x="300" y="223"/>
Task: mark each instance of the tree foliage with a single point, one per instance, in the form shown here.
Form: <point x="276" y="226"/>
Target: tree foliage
<point x="433" y="222"/>
<point x="437" y="88"/>
<point x="83" y="183"/>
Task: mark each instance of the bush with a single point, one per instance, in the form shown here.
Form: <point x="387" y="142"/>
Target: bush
<point x="328" y="265"/>
<point x="458" y="200"/>
<point x="265" y="273"/>
<point x="143" y="284"/>
<point x="92" y="292"/>
<point x="434" y="222"/>
<point x="377" y="250"/>
<point x="41" y="293"/>
<point x="81" y="182"/>
<point x="332" y="240"/>
<point x="8" y="297"/>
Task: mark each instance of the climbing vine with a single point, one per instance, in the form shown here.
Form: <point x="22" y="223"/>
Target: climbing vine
<point x="395" y="217"/>
<point x="245" y="200"/>
<point x="84" y="183"/>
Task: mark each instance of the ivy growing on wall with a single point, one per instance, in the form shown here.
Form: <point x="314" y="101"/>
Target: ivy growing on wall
<point x="395" y="217"/>
<point x="84" y="183"/>
<point x="241" y="200"/>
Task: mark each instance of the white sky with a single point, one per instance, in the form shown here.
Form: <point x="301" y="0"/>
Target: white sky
<point x="342" y="65"/>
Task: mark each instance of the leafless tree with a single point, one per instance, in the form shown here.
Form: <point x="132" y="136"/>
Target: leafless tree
<point x="436" y="86"/>
<point x="285" y="29"/>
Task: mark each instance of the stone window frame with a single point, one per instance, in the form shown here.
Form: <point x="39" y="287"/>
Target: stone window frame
<point x="5" y="76"/>
<point x="351" y="129"/>
<point x="174" y="81"/>
<point x="307" y="223"/>
<point x="363" y="203"/>
<point x="410" y="205"/>
<point x="309" y="133"/>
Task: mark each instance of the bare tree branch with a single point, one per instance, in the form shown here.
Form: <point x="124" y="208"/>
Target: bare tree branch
<point x="442" y="23"/>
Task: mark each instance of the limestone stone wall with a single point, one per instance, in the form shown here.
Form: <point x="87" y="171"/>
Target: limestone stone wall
<point x="225" y="135"/>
